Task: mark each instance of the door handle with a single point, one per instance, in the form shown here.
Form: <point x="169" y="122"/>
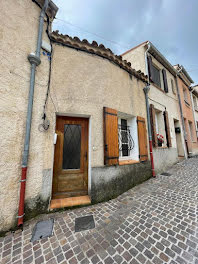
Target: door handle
<point x="86" y="155"/>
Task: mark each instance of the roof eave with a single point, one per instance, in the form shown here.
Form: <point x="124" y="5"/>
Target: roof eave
<point x="155" y="52"/>
<point x="51" y="10"/>
<point x="186" y="74"/>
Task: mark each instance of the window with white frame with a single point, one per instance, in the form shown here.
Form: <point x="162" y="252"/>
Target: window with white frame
<point x="128" y="138"/>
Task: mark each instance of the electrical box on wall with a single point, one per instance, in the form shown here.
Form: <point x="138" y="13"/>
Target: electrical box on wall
<point x="46" y="46"/>
<point x="177" y="130"/>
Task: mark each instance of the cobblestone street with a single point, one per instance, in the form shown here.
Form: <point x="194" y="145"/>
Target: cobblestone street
<point x="155" y="222"/>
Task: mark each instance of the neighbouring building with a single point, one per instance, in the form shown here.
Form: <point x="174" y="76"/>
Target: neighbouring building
<point x="194" y="97"/>
<point x="88" y="128"/>
<point x="184" y="86"/>
<point x="167" y="131"/>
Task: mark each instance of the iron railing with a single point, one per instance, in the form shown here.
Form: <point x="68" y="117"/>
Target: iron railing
<point x="125" y="138"/>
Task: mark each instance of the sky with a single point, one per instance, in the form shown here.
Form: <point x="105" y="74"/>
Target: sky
<point x="171" y="25"/>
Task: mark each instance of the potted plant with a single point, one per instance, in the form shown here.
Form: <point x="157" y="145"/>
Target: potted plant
<point x="160" y="140"/>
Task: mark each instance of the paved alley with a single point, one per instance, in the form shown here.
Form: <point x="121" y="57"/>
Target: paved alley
<point x="155" y="222"/>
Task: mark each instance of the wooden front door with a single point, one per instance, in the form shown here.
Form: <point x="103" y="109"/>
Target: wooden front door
<point x="71" y="158"/>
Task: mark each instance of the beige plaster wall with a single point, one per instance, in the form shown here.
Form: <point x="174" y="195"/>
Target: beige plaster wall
<point x="160" y="100"/>
<point x="18" y="35"/>
<point x="137" y="58"/>
<point x="83" y="84"/>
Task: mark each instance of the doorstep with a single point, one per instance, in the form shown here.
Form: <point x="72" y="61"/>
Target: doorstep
<point x="70" y="202"/>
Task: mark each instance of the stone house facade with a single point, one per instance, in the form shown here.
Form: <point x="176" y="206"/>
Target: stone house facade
<point x="164" y="104"/>
<point x="86" y="105"/>
<point x="185" y="90"/>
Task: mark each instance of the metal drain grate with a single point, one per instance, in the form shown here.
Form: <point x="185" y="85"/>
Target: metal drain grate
<point x="42" y="229"/>
<point x="84" y="223"/>
<point x="166" y="174"/>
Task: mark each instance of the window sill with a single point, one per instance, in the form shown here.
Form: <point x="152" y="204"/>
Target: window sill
<point x="159" y="88"/>
<point x="127" y="162"/>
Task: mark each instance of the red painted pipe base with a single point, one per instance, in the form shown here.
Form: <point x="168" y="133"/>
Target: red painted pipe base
<point x="152" y="161"/>
<point x="22" y="197"/>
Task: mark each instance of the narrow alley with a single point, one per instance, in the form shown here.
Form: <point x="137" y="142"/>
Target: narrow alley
<point x="154" y="222"/>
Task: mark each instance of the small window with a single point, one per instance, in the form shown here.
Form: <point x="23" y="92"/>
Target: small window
<point x="195" y="102"/>
<point x="185" y="95"/>
<point x="191" y="130"/>
<point x="126" y="143"/>
<point x="156" y="76"/>
<point x="128" y="138"/>
<point x="173" y="86"/>
<point x="160" y="128"/>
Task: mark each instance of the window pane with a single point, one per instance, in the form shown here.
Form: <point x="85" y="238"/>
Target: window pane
<point x="123" y="124"/>
<point x="124" y="134"/>
<point x="72" y="146"/>
<point x="156" y="76"/>
<point x="125" y="151"/>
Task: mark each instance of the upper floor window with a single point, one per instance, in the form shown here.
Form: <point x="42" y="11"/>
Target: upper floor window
<point x="191" y="130"/>
<point x="173" y="86"/>
<point x="195" y="103"/>
<point x="156" y="76"/>
<point x="185" y="95"/>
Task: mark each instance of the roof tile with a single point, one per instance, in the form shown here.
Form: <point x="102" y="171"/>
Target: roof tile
<point x="96" y="49"/>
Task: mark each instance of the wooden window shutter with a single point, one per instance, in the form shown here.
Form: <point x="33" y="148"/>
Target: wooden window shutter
<point x="165" y="80"/>
<point x="142" y="138"/>
<point x="167" y="128"/>
<point x="111" y="148"/>
<point x="150" y="67"/>
<point x="153" y="125"/>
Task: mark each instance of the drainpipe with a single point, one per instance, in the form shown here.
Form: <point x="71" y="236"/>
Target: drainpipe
<point x="34" y="60"/>
<point x="146" y="62"/>
<point x="146" y="90"/>
<point x="186" y="151"/>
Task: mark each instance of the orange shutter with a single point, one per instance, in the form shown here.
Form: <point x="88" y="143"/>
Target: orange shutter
<point x="142" y="138"/>
<point x="111" y="148"/>
<point x="153" y="125"/>
<point x="167" y="128"/>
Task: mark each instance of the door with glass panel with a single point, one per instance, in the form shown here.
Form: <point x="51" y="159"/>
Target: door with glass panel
<point x="71" y="157"/>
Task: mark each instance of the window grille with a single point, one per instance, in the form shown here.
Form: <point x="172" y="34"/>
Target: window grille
<point x="126" y="142"/>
